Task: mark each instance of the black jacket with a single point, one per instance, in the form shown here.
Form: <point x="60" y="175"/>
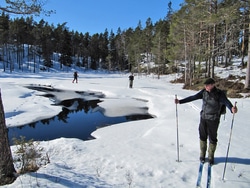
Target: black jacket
<point x="131" y="77"/>
<point x="211" y="102"/>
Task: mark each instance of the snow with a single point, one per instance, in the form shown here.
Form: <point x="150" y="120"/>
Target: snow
<point x="132" y="154"/>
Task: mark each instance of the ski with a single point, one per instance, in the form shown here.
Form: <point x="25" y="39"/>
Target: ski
<point x="209" y="173"/>
<point x="198" y="184"/>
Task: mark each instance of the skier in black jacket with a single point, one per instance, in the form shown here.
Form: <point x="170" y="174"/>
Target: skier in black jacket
<point x="131" y="79"/>
<point x="212" y="98"/>
<point x="75" y="77"/>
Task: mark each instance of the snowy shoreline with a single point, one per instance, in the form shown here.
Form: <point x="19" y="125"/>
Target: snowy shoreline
<point x="142" y="153"/>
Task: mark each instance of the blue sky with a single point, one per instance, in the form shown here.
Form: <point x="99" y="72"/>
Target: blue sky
<point x="94" y="16"/>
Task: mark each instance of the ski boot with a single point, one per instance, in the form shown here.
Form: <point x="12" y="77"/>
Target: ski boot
<point x="211" y="150"/>
<point x="203" y="149"/>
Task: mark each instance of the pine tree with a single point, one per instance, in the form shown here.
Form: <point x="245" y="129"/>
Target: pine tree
<point x="7" y="169"/>
<point x="247" y="82"/>
<point x="4" y="35"/>
<point x="66" y="50"/>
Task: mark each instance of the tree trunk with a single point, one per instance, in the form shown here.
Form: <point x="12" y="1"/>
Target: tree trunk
<point x="7" y="169"/>
<point x="247" y="83"/>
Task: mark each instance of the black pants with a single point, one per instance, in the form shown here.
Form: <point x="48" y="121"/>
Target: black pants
<point x="208" y="129"/>
<point x="130" y="83"/>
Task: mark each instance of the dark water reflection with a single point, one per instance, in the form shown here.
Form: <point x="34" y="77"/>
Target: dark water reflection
<point x="78" y="119"/>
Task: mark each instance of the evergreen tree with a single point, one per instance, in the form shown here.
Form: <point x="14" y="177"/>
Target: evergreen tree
<point x="104" y="46"/>
<point x="66" y="50"/>
<point x="94" y="51"/>
<point x="76" y="48"/>
<point x="159" y="48"/>
<point x="247" y="82"/>
<point x="4" y="36"/>
<point x="120" y="49"/>
<point x="25" y="7"/>
<point x="47" y="45"/>
<point x="111" y="59"/>
<point x="85" y="49"/>
<point x="7" y="169"/>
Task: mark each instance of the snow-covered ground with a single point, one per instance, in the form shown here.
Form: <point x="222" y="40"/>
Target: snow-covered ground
<point x="132" y="154"/>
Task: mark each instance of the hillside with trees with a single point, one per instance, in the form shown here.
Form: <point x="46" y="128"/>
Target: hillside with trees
<point x="201" y="31"/>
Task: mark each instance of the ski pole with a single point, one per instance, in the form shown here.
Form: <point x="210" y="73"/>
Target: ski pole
<point x="177" y="136"/>
<point x="228" y="144"/>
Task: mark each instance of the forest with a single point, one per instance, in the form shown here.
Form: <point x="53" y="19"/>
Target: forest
<point x="211" y="31"/>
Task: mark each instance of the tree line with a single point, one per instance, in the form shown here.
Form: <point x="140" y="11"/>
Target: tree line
<point x="212" y="31"/>
<point x="121" y="51"/>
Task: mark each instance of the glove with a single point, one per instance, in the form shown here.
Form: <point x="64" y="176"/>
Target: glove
<point x="176" y="101"/>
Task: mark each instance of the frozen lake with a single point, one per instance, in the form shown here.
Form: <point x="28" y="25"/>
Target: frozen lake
<point x="78" y="119"/>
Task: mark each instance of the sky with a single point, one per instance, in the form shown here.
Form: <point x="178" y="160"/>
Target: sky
<point x="135" y="154"/>
<point x="94" y="16"/>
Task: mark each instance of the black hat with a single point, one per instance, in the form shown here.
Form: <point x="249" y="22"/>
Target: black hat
<point x="209" y="81"/>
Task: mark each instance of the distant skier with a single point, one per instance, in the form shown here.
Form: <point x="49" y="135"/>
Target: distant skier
<point x="75" y="77"/>
<point x="131" y="79"/>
